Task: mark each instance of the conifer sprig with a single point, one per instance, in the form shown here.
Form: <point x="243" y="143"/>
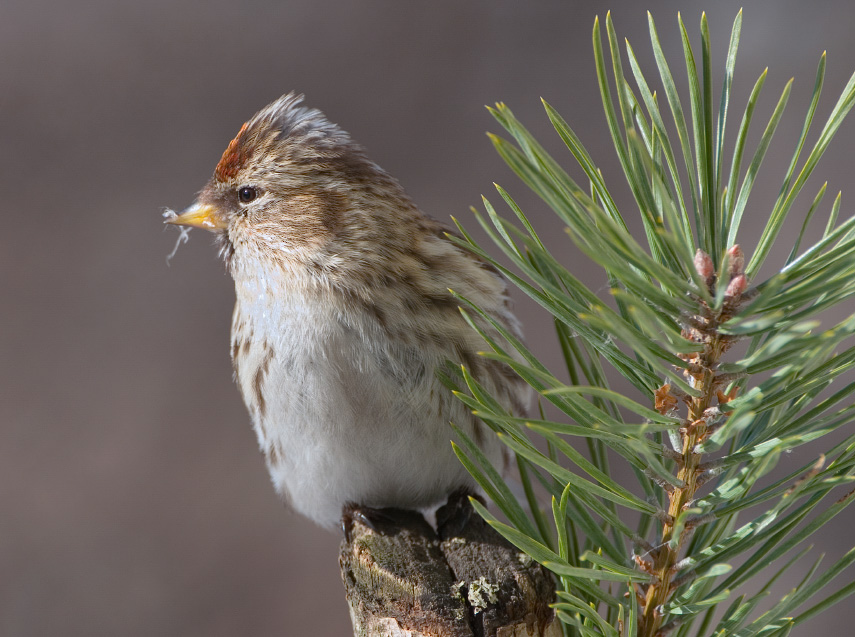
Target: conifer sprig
<point x="704" y="425"/>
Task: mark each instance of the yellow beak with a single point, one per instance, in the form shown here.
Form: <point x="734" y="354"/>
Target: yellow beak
<point x="200" y="215"/>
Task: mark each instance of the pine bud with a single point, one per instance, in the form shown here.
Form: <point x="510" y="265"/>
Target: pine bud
<point x="704" y="265"/>
<point x="737" y="286"/>
<point x="736" y="260"/>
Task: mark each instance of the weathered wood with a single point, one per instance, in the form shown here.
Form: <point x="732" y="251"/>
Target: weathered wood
<point x="402" y="579"/>
<point x="507" y="592"/>
<point x="396" y="578"/>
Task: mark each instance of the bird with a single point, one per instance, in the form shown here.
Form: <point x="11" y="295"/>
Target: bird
<point x="344" y="318"/>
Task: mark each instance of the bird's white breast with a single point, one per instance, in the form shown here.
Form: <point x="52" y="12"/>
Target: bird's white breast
<point x="343" y="413"/>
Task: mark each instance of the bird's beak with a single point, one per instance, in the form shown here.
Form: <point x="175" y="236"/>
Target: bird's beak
<point x="200" y="215"/>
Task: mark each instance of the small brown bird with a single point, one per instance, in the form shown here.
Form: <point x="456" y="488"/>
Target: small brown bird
<point x="343" y="316"/>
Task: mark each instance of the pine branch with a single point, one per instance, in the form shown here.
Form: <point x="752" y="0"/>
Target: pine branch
<point x="704" y="426"/>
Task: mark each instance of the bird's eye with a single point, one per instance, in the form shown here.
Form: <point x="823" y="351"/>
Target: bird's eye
<point x="247" y="194"/>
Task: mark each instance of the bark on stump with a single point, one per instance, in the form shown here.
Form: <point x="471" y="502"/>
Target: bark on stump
<point x="403" y="579"/>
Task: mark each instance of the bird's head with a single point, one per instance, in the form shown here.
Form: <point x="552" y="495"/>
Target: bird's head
<point x="286" y="186"/>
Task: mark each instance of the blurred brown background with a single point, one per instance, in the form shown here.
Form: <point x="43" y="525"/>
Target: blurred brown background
<point x="133" y="500"/>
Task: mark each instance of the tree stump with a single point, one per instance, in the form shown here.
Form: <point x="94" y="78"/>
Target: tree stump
<point x="403" y="579"/>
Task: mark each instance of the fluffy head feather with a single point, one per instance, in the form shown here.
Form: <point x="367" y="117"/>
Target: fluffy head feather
<point x="284" y="119"/>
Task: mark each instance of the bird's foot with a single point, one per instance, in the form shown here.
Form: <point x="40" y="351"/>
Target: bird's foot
<point x="454" y="515"/>
<point x="382" y="521"/>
